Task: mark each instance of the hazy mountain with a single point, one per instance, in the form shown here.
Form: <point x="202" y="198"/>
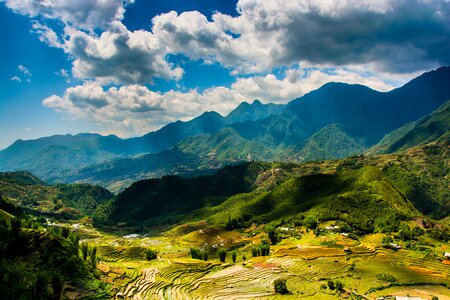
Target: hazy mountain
<point x="58" y="156"/>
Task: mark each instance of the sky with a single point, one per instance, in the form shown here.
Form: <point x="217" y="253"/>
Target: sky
<point x="130" y="67"/>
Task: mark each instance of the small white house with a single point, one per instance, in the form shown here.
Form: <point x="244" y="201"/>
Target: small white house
<point x="395" y="246"/>
<point x="447" y="255"/>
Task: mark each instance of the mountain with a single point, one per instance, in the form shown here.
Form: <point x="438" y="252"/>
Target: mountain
<point x="252" y="112"/>
<point x="434" y="127"/>
<point x="52" y="156"/>
<point x="362" y="113"/>
<point x="361" y="196"/>
<point x="57" y="157"/>
<point x="330" y="142"/>
<point x="24" y="191"/>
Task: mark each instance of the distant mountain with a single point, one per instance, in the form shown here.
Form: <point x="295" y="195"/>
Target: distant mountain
<point x="252" y="112"/>
<point x="52" y="156"/>
<point x="434" y="127"/>
<point x="363" y="114"/>
<point x="56" y="157"/>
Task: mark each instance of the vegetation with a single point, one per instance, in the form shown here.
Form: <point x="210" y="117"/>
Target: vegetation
<point x="280" y="286"/>
<point x="35" y="264"/>
<point x="222" y="254"/>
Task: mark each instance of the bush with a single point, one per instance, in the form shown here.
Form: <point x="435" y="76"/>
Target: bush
<point x="84" y="250"/>
<point x="330" y="284"/>
<point x="273" y="236"/>
<point x="65" y="232"/>
<point x="385" y="277"/>
<point x="280" y="286"/>
<point x="15" y="226"/>
<point x="310" y="222"/>
<point x="339" y="285"/>
<point x="222" y="254"/>
<point x="197" y="253"/>
<point x="151" y="254"/>
<point x="387" y="240"/>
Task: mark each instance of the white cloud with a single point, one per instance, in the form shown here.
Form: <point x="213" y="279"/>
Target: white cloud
<point x="16" y="78"/>
<point x="133" y="109"/>
<point x="85" y="14"/>
<point x="394" y="36"/>
<point x="119" y="55"/>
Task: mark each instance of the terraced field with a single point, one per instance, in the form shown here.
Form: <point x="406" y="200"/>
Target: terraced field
<point x="307" y="264"/>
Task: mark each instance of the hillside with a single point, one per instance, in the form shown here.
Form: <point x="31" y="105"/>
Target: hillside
<point x="25" y="192"/>
<point x="434" y="127"/>
<point x="404" y="184"/>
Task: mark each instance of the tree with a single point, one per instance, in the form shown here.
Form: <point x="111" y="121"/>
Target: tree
<point x="387" y="239"/>
<point x="310" y="222"/>
<point x="151" y="254"/>
<point x="330" y="284"/>
<point x="94" y="257"/>
<point x="233" y="256"/>
<point x="222" y="254"/>
<point x="84" y="250"/>
<point x="15" y="226"/>
<point x="273" y="236"/>
<point x="57" y="286"/>
<point x="280" y="286"/>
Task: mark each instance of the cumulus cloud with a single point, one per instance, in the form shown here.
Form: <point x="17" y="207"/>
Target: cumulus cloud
<point x="85" y="14"/>
<point x="394" y="36"/>
<point x="391" y="36"/>
<point x="134" y="109"/>
<point x="119" y="55"/>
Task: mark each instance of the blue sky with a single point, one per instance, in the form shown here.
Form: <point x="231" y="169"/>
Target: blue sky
<point x="129" y="67"/>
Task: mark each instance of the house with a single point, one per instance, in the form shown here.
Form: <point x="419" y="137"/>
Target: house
<point x="344" y="234"/>
<point x="447" y="255"/>
<point x="395" y="246"/>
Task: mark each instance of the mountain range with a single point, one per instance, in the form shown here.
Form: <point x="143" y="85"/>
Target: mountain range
<point x="331" y="122"/>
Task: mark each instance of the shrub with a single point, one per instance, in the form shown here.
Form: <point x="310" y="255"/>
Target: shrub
<point x="222" y="254"/>
<point x="151" y="254"/>
<point x="280" y="286"/>
<point x="310" y="222"/>
<point x="385" y="277"/>
<point x="273" y="236"/>
<point x="338" y="285"/>
<point x="435" y="298"/>
<point x="65" y="232"/>
<point x="94" y="257"/>
<point x="330" y="284"/>
<point x="15" y="226"/>
<point x="233" y="256"/>
<point x="84" y="250"/>
<point x="387" y="240"/>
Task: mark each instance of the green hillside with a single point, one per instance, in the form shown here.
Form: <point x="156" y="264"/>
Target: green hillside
<point x="44" y="264"/>
<point x="27" y="192"/>
<point x="434" y="127"/>
<point x="360" y="190"/>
